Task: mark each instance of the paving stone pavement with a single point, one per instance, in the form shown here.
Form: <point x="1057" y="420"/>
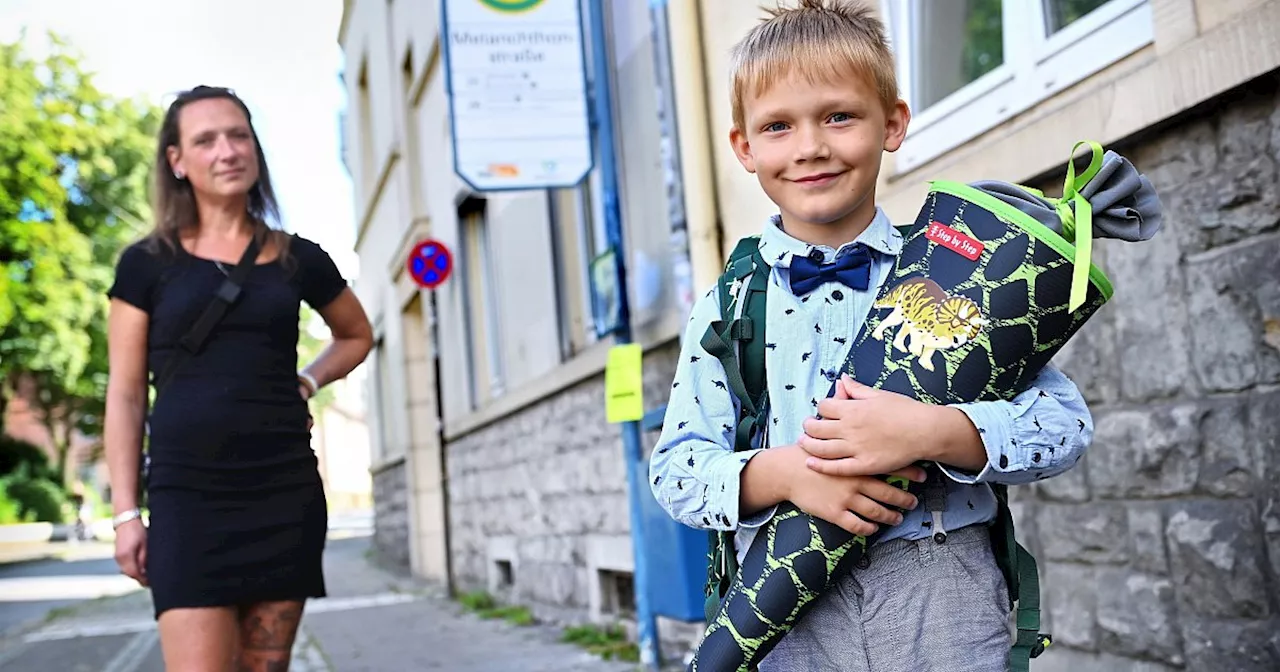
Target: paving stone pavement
<point x="373" y="620"/>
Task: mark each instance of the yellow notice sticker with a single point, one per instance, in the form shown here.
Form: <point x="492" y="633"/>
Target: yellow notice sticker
<point x="623" y="384"/>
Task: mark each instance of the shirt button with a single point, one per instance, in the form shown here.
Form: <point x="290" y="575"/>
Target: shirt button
<point x="837" y="295"/>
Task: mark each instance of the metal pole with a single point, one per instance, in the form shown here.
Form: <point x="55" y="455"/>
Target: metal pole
<point x="646" y="625"/>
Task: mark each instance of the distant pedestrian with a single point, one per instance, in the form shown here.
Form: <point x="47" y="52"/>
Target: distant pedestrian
<point x="237" y="511"/>
<point x="79" y="530"/>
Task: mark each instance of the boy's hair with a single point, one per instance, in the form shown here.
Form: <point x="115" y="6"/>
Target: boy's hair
<point x="823" y="41"/>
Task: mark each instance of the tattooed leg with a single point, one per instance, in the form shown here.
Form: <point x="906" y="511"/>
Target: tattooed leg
<point x="267" y="631"/>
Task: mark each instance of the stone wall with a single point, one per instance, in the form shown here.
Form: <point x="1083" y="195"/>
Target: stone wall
<point x="1161" y="549"/>
<point x="545" y="491"/>
<point x="391" y="515"/>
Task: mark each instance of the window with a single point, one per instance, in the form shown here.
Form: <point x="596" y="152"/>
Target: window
<point x="386" y="445"/>
<point x="480" y="304"/>
<point x="966" y="65"/>
<point x="577" y="223"/>
<point x="365" y="137"/>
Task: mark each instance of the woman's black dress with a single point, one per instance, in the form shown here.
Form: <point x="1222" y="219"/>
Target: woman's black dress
<point x="237" y="509"/>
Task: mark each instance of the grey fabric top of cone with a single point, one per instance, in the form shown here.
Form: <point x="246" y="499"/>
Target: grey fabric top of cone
<point x="1125" y="204"/>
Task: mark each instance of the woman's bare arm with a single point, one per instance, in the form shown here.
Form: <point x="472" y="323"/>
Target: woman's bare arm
<point x="126" y="401"/>
<point x="352" y="339"/>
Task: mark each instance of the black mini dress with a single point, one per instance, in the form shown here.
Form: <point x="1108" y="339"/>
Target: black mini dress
<point x="237" y="508"/>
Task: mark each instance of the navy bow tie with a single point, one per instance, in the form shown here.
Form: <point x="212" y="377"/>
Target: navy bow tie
<point x="853" y="269"/>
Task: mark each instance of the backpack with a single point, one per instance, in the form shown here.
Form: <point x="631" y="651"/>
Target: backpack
<point x="737" y="339"/>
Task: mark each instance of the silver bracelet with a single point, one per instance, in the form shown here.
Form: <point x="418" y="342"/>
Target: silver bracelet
<point x="310" y="381"/>
<point x="124" y="517"/>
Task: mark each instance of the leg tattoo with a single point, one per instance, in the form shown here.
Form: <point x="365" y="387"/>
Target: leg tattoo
<point x="267" y="631"/>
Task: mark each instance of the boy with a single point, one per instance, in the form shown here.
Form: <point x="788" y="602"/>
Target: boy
<point x="815" y="104"/>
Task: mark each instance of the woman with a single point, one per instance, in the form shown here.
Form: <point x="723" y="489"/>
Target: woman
<point x="237" y="510"/>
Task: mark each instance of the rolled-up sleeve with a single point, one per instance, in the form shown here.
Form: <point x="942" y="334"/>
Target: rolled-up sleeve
<point x="1039" y="434"/>
<point x="694" y="472"/>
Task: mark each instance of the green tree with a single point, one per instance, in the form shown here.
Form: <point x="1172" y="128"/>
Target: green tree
<point x="74" y="163"/>
<point x="313" y="338"/>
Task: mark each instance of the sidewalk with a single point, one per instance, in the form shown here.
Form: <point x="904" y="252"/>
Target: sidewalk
<point x="376" y="620"/>
<point x="373" y="620"/>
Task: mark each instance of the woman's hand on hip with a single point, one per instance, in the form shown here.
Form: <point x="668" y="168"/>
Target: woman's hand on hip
<point x="305" y="393"/>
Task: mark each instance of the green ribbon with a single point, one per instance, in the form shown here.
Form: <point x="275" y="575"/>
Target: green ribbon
<point x="1077" y="227"/>
<point x="1077" y="224"/>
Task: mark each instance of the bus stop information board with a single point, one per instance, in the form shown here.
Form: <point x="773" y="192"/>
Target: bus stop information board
<point x="518" y="101"/>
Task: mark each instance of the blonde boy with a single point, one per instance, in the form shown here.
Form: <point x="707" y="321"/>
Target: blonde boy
<point x="815" y="105"/>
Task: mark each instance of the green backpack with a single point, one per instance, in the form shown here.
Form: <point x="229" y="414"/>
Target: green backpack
<point x="737" y="339"/>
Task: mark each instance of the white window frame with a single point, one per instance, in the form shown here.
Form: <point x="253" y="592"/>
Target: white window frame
<point x="1034" y="68"/>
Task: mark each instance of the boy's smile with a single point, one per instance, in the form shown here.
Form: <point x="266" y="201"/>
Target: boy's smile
<point x="816" y="149"/>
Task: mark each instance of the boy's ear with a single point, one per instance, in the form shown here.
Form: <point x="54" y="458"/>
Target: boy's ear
<point x="742" y="149"/>
<point x="895" y="125"/>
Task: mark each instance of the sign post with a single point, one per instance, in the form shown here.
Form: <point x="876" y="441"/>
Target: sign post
<point x="516" y="76"/>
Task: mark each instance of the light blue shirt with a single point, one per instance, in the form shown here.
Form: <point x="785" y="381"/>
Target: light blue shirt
<point x="695" y="474"/>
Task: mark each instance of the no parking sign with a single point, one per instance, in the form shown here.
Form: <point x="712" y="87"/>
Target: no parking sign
<point x="429" y="263"/>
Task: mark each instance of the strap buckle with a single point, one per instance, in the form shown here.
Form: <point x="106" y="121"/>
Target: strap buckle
<point x="229" y="291"/>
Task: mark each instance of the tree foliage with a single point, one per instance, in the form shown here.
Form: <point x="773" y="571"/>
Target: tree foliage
<point x="313" y="338"/>
<point x="74" y="164"/>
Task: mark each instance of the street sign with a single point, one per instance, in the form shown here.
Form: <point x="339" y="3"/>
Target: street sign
<point x="429" y="263"/>
<point x="517" y="93"/>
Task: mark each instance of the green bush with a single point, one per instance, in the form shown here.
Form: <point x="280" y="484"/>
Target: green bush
<point x="39" y="500"/>
<point x="15" y="453"/>
<point x="10" y="510"/>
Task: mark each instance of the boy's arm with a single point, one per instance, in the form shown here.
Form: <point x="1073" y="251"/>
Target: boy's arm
<point x="693" y="471"/>
<point x="1039" y="434"/>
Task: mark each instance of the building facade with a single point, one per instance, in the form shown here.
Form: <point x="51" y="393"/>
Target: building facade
<point x="494" y="467"/>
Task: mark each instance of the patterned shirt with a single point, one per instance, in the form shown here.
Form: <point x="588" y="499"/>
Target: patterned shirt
<point x="695" y="473"/>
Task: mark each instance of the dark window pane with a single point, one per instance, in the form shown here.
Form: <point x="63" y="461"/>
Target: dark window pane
<point x="1059" y="14"/>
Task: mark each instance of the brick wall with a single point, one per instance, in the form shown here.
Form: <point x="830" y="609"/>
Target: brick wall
<point x="391" y="515"/>
<point x="542" y="486"/>
<point x="1161" y="549"/>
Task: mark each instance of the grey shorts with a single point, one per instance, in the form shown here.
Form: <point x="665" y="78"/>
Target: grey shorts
<point x="919" y="606"/>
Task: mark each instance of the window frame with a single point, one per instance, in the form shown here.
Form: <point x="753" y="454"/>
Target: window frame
<point x="577" y="223"/>
<point x="1034" y="68"/>
<point x="481" y="312"/>
<point x="387" y="445"/>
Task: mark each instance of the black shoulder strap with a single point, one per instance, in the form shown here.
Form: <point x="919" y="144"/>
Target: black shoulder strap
<point x="226" y="295"/>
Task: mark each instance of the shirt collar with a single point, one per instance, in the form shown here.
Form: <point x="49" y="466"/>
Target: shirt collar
<point x="778" y="247"/>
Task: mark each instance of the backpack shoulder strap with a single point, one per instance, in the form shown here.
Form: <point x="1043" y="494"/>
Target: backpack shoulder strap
<point x="737" y="339"/>
<point x="1023" y="580"/>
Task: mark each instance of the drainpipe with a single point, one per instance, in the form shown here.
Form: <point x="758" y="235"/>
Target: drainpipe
<point x="602" y="67"/>
<point x="701" y="201"/>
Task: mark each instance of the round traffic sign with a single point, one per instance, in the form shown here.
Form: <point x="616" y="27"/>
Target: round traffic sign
<point x="429" y="263"/>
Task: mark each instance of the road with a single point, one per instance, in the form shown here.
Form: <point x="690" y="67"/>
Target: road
<point x="373" y="619"/>
<point x="62" y="574"/>
<point x="69" y="574"/>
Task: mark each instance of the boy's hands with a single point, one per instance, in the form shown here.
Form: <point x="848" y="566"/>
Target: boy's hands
<point x="836" y="499"/>
<point x="865" y="431"/>
<point x="779" y="474"/>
